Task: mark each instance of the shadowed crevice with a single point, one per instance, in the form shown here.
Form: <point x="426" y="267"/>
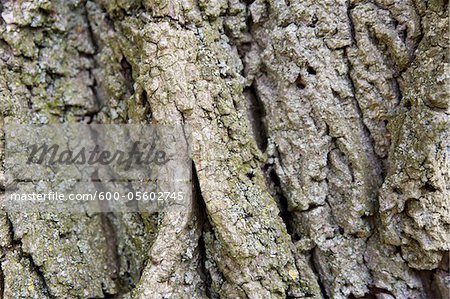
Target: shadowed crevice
<point x="257" y="114"/>
<point x="205" y="225"/>
<point x="127" y="73"/>
<point x="432" y="287"/>
<point x="314" y="266"/>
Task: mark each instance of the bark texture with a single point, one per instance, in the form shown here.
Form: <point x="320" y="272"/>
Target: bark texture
<point x="320" y="146"/>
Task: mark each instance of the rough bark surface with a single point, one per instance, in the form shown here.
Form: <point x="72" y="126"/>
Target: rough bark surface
<point x="320" y="145"/>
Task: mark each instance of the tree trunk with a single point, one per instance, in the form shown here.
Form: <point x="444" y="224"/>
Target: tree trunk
<point x="320" y="146"/>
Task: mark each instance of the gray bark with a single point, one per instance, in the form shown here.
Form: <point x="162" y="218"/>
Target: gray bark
<point x="320" y="144"/>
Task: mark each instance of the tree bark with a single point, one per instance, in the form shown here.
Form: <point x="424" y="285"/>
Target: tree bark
<point x="320" y="146"/>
